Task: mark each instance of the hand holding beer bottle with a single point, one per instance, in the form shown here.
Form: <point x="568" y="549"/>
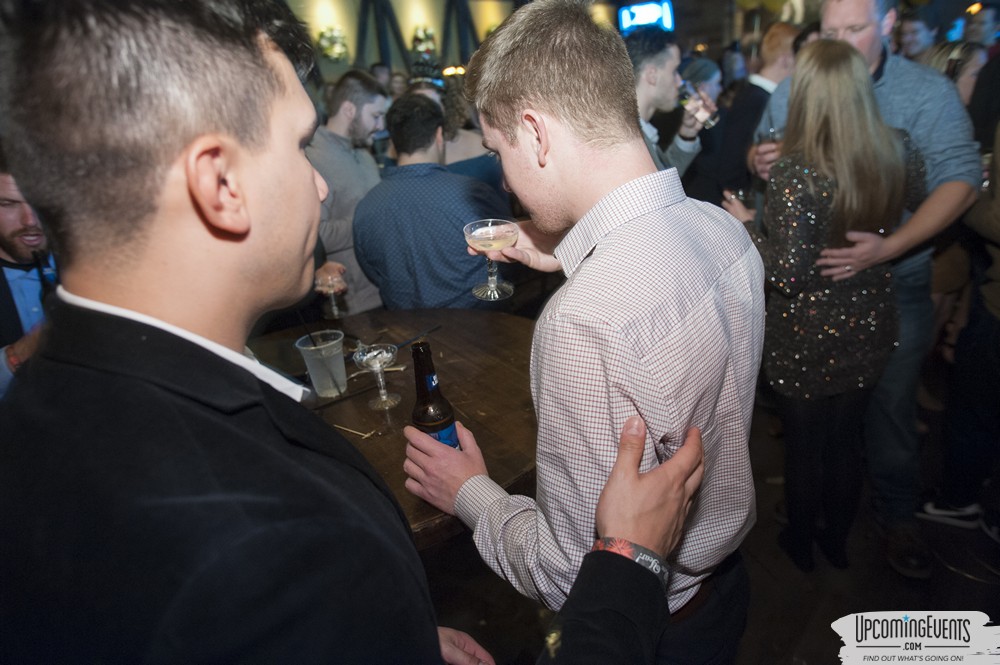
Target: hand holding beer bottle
<point x="432" y="414"/>
<point x="436" y="472"/>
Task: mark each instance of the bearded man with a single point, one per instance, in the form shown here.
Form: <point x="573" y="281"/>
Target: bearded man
<point x="340" y="152"/>
<point x="22" y="278"/>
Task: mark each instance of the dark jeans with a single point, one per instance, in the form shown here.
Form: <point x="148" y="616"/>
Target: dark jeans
<point x="824" y="439"/>
<point x="711" y="635"/>
<point x="893" y="445"/>
<point x="972" y="418"/>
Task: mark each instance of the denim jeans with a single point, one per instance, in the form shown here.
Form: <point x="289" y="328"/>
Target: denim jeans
<point x="891" y="440"/>
<point x="972" y="418"/>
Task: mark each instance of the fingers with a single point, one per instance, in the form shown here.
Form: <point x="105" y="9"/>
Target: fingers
<point x="630" y="446"/>
<point x="763" y="157"/>
<point x="830" y="272"/>
<point x="837" y="275"/>
<point x="415" y="488"/>
<point x="493" y="254"/>
<point x="420" y="442"/>
<point x="466" y="439"/>
<point x="835" y="256"/>
<point x="508" y="254"/>
<point x="458" y="648"/>
<point x="736" y="209"/>
<point x="420" y="448"/>
<point x="838" y="272"/>
<point x="707" y="102"/>
<point x="461" y="646"/>
<point x="412" y="469"/>
<point x="690" y="460"/>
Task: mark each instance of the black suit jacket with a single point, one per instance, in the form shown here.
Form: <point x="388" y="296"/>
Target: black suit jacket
<point x="738" y="136"/>
<point x="11" y="329"/>
<point x="159" y="504"/>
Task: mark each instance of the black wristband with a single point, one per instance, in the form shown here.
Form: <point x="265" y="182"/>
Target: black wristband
<point x="645" y="557"/>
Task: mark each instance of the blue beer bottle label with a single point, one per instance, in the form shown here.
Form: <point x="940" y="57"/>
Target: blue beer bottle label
<point x="448" y="436"/>
<point x="432" y="381"/>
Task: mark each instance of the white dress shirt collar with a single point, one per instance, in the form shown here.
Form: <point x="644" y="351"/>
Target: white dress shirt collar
<point x="765" y="84"/>
<point x="283" y="385"/>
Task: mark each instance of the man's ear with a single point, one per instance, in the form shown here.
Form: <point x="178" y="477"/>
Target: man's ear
<point x="348" y="110"/>
<point x="888" y="21"/>
<point x="650" y="73"/>
<point x="535" y="130"/>
<point x="215" y="184"/>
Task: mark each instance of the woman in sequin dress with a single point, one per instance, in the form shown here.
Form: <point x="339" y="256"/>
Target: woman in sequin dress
<point x="826" y="342"/>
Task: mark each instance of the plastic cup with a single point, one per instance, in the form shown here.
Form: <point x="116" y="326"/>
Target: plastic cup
<point x="324" y="361"/>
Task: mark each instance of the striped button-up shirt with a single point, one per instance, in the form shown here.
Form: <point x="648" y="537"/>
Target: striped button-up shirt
<point x="662" y="315"/>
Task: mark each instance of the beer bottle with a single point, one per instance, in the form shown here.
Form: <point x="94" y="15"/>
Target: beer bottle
<point x="432" y="413"/>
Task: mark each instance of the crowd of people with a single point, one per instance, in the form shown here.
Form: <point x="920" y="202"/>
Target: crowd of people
<point x="790" y="234"/>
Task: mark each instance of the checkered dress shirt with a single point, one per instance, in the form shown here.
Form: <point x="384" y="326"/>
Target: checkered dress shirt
<point x="662" y="315"/>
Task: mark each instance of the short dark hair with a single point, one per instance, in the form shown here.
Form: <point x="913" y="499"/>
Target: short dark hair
<point x="97" y="99"/>
<point x="4" y="169"/>
<point x="646" y="44"/>
<point x="355" y="86"/>
<point x="413" y="121"/>
<point x="923" y="14"/>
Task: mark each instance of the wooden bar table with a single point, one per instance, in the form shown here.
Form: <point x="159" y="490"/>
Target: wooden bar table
<point x="481" y="359"/>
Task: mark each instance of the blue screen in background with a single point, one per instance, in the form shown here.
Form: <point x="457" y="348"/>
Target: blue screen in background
<point x="646" y="13"/>
<point x="955" y="31"/>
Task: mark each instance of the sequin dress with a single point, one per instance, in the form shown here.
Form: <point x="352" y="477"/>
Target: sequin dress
<point x="822" y="337"/>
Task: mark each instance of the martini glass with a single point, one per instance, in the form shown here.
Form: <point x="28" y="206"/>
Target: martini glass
<point x="375" y="359"/>
<point x="491" y="234"/>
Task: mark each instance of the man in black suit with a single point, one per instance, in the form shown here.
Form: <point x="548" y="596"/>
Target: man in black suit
<point x="163" y="498"/>
<point x="777" y="64"/>
<point x="24" y="262"/>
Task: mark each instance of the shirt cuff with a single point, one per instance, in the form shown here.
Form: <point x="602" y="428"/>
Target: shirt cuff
<point x="688" y="145"/>
<point x="474" y="497"/>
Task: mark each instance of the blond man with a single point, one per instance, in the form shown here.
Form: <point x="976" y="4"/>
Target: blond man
<point x="661" y="316"/>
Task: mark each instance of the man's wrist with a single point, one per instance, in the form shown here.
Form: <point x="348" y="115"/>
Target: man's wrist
<point x="643" y="556"/>
<point x="12" y="359"/>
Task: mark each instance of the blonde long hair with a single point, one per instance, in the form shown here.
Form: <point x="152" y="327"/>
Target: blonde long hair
<point x="834" y="122"/>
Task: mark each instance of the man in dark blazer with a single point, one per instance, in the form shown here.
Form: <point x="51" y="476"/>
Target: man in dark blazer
<point x="777" y="64"/>
<point x="163" y="498"/>
<point x="24" y="262"/>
